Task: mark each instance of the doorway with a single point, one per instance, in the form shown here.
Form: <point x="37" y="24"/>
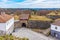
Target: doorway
<point x="55" y="34"/>
<point x="23" y="24"/>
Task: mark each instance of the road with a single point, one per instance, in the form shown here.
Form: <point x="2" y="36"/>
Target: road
<point x="24" y="32"/>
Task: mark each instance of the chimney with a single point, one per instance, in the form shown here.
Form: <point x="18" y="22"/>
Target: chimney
<point x="3" y="14"/>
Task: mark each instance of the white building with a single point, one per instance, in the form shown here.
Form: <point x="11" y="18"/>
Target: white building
<point x="6" y="23"/>
<point x="55" y="29"/>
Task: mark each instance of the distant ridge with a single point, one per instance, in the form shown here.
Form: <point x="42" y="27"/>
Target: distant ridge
<point x="32" y="8"/>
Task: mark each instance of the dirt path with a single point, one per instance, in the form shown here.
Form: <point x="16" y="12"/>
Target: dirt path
<point x="24" y="32"/>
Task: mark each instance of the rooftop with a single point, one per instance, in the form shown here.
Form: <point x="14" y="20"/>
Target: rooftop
<point x="4" y="17"/>
<point x="24" y="16"/>
<point x="54" y="13"/>
<point x="57" y="22"/>
<point x="41" y="18"/>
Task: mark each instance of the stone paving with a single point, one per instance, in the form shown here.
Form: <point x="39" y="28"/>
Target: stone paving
<point x="24" y="32"/>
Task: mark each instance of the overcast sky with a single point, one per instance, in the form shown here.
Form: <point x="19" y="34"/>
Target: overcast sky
<point x="29" y="3"/>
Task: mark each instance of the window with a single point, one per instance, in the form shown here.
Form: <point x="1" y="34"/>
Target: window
<point x="55" y="27"/>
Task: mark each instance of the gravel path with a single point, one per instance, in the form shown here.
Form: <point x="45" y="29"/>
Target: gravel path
<point x="24" y="32"/>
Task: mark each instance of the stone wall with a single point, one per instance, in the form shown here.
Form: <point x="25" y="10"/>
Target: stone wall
<point x="38" y="24"/>
<point x="53" y="16"/>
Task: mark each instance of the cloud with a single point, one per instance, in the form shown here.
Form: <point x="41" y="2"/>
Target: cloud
<point x="4" y="0"/>
<point x="30" y="4"/>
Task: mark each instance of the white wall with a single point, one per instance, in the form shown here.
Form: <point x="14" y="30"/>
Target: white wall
<point x="9" y="23"/>
<point x="53" y="28"/>
<point x="10" y="30"/>
<point x="8" y="26"/>
<point x="3" y="26"/>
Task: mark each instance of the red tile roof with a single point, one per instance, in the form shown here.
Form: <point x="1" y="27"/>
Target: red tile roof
<point x="56" y="23"/>
<point x="43" y="12"/>
<point x="27" y="11"/>
<point x="24" y="16"/>
<point x="4" y="18"/>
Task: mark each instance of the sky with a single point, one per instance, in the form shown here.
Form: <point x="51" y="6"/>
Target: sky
<point x="29" y="3"/>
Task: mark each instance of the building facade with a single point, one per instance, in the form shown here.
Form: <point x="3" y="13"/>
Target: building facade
<point x="55" y="29"/>
<point x="24" y="20"/>
<point x="6" y="24"/>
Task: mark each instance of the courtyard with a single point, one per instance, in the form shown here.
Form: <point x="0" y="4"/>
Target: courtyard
<point x="28" y="33"/>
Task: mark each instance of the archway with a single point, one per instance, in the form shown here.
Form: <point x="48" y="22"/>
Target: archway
<point x="23" y="24"/>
